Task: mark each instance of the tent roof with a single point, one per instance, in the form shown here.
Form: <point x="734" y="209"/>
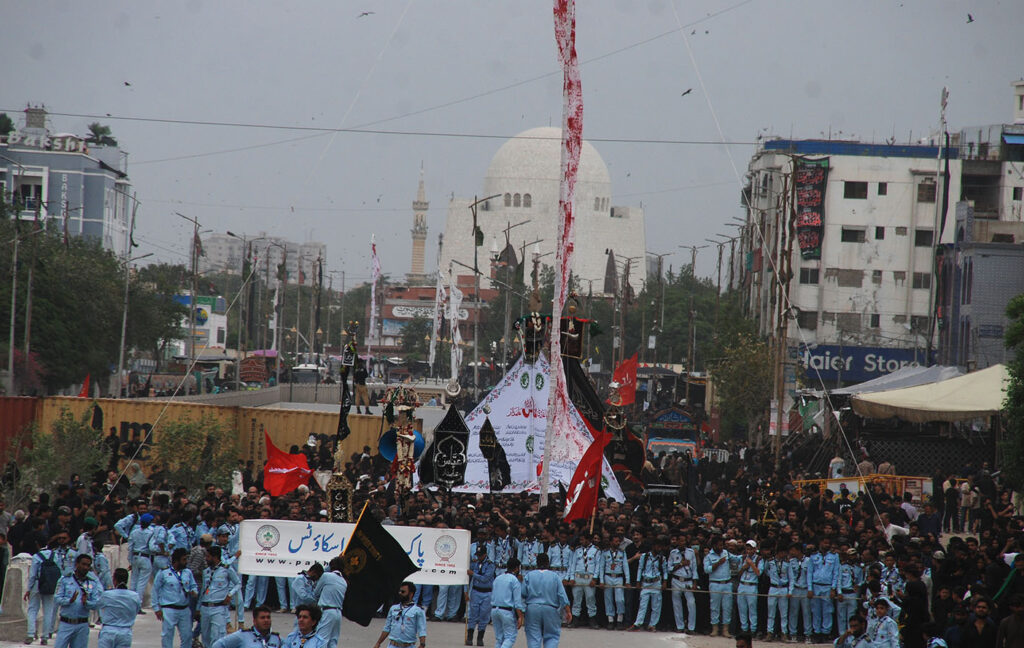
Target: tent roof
<point x="966" y="397"/>
<point x="905" y="377"/>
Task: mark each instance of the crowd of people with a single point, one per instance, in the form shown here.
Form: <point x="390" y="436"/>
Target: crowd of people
<point x="761" y="553"/>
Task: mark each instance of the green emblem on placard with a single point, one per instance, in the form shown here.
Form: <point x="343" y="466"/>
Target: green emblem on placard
<point x="539" y="383"/>
<point x="524" y="380"/>
<point x="529" y="444"/>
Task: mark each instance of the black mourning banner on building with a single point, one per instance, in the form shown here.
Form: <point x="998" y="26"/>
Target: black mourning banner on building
<point x="375" y="565"/>
<point x="810" y="180"/>
<point x="444" y="461"/>
<point x="582" y="394"/>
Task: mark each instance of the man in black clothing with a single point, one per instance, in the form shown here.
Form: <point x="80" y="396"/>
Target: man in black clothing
<point x="980" y="632"/>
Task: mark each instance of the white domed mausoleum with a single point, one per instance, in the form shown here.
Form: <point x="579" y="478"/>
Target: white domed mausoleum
<point x="525" y="174"/>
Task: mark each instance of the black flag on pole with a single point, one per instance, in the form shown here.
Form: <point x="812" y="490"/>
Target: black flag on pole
<point x="375" y="565"/>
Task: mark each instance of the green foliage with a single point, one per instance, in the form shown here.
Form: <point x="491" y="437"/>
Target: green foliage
<point x="415" y="334"/>
<point x="743" y="379"/>
<point x="196" y="452"/>
<point x="1012" y="446"/>
<point x="77" y="297"/>
<point x="70" y="446"/>
<point x="100" y="134"/>
<point x="6" y="125"/>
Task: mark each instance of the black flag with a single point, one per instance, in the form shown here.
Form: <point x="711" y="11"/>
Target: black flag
<point x="444" y="461"/>
<point x="346" y="405"/>
<point x="375" y="565"/>
<point x="498" y="470"/>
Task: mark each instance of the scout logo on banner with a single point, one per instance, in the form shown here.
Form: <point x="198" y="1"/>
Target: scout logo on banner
<point x="810" y="180"/>
<point x="283" y="547"/>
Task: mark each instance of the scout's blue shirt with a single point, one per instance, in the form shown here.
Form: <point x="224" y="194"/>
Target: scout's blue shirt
<point x="406" y="623"/>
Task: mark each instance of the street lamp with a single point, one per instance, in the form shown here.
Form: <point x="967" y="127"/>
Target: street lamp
<point x="124" y="323"/>
<point x="476" y="297"/>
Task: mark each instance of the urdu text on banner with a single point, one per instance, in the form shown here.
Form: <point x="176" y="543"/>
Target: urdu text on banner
<point x="286" y="547"/>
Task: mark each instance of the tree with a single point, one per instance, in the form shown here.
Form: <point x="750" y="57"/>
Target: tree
<point x="6" y="125"/>
<point x="71" y="446"/>
<point x="100" y="135"/>
<point x="1012" y="446"/>
<point x="414" y="338"/>
<point x="743" y="381"/>
<point x="196" y="452"/>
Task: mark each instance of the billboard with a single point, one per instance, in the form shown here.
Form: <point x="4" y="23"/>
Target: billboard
<point x="855" y="364"/>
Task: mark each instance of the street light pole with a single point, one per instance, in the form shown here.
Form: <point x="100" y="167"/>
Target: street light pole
<point x="476" y="298"/>
<point x="14" y="297"/>
<point x="124" y="324"/>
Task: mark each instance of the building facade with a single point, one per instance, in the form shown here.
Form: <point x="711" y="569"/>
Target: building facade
<point x="68" y="183"/>
<point x="226" y="253"/>
<point x="524" y="178"/>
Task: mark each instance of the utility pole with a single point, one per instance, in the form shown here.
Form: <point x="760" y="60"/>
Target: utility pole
<point x="691" y="341"/>
<point x="28" y="295"/>
<point x="477" y="242"/>
<point x="192" y="299"/>
<point x="786" y="224"/>
<point x="658" y="326"/>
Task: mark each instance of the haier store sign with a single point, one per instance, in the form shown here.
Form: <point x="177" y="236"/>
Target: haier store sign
<point x="853" y="364"/>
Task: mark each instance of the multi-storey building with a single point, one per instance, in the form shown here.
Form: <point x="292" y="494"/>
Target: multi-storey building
<point x="226" y="253"/>
<point x="78" y="186"/>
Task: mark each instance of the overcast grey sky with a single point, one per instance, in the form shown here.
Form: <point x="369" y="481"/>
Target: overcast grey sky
<point x="868" y="68"/>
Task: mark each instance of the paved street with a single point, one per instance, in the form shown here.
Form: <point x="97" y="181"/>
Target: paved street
<point x="147" y="635"/>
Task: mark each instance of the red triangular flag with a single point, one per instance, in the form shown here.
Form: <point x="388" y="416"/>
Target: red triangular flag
<point x="581" y="498"/>
<point x="85" y="388"/>
<point x="284" y="472"/>
<point x="625" y="375"/>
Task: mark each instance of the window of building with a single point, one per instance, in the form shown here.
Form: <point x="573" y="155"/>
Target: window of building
<point x="883" y="188"/>
<point x="853" y="235"/>
<point x="517" y="200"/>
<point x="807" y="320"/>
<point x="879" y="233"/>
<point x="876" y="277"/>
<point x="220" y="334"/>
<point x="919" y="324"/>
<point x="508" y="200"/>
<point x="809" y="275"/>
<point x="1018" y="193"/>
<point x="899" y="276"/>
<point x="901" y="231"/>
<point x="855" y="189"/>
<point x="926" y="191"/>
<point x="922" y="238"/>
<point x="597" y="204"/>
<point x="922" y="280"/>
<point x="876" y="320"/>
<point x="527" y="200"/>
<point x="848" y="322"/>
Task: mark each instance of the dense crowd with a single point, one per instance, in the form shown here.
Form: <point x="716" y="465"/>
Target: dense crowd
<point x="746" y="551"/>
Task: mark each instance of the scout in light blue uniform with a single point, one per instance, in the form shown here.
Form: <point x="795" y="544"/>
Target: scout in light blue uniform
<point x="651" y="574"/>
<point x="406" y="623"/>
<point x="682" y="570"/>
<point x="76" y="594"/>
<point x="220" y="584"/>
<point x="584" y="570"/>
<point x="160" y="545"/>
<point x="614" y="576"/>
<point x="528" y="550"/>
<point x="478" y="596"/>
<point x="330" y="591"/>
<point x="84" y="543"/>
<point x="824" y="579"/>
<point x="716" y="566"/>
<point x="507" y="606"/>
<point x="37" y="599"/>
<point x="751" y="566"/>
<point x="118" y="608"/>
<point x="304" y="635"/>
<point x="258" y="636"/>
<point x="173" y="589"/>
<point x="302" y="591"/>
<point x="780" y="586"/>
<point x="560" y="555"/>
<point x="850" y="579"/>
<point x="886" y="632"/>
<point x="502" y="548"/>
<point x="800" y="575"/>
<point x="181" y="535"/>
<point x="546" y="602"/>
<point x="141" y="555"/>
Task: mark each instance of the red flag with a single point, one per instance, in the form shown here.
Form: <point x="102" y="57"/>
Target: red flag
<point x="581" y="498"/>
<point x="284" y="472"/>
<point x="85" y="388"/>
<point x="625" y="375"/>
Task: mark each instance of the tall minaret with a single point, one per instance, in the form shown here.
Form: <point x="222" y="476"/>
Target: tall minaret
<point x="417" y="276"/>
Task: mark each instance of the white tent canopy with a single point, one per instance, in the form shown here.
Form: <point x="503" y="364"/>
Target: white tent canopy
<point x="973" y="395"/>
<point x="904" y="377"/>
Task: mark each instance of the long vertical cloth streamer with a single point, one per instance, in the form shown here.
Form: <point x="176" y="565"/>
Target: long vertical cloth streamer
<point x="559" y="443"/>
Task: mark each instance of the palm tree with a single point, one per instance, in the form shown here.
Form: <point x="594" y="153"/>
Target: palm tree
<point x="101" y="135"/>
